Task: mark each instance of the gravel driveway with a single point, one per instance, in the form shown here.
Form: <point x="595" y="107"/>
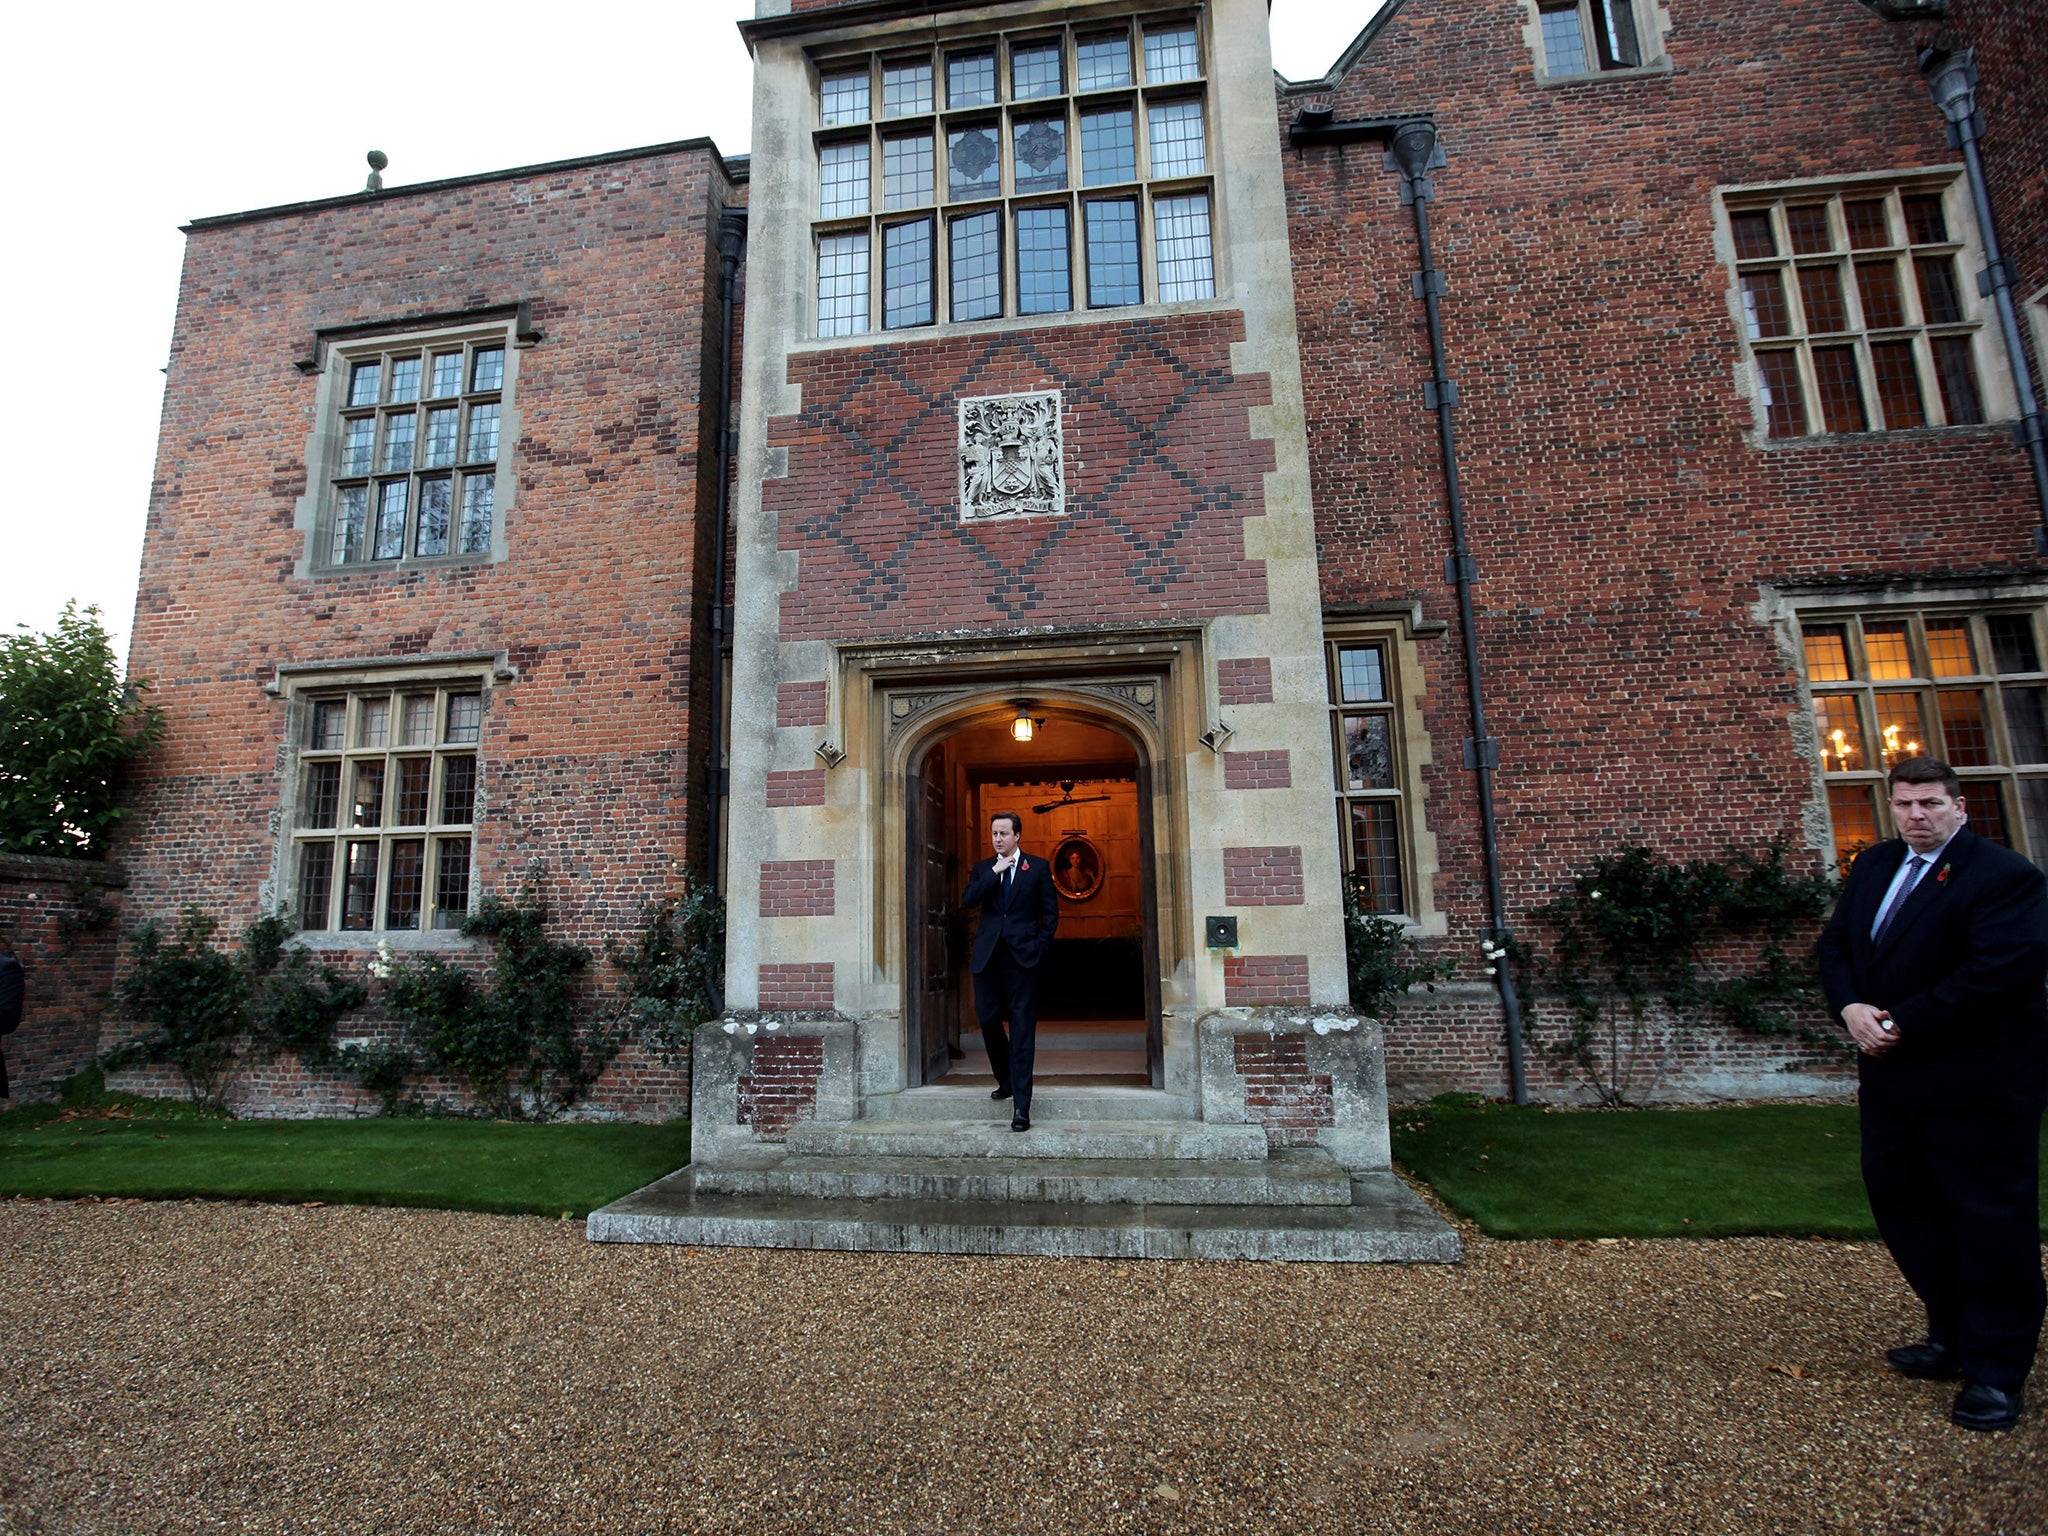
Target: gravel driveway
<point x="216" y="1367"/>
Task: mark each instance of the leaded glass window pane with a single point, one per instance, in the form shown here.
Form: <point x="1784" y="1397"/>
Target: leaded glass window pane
<point x="359" y="441"/>
<point x="451" y="882"/>
<point x="415" y="777"/>
<point x="465" y="716"/>
<point x="351" y="523"/>
<point x="1808" y="226"/>
<point x="479" y="493"/>
<point x="1040" y="148"/>
<point x="1564" y="44"/>
<point x="458" y="791"/>
<point x="359" y="891"/>
<point x="1177" y="142"/>
<point x="405" y="380"/>
<point x="437" y="501"/>
<point x="843" y="98"/>
<point x="329" y="726"/>
<point x="1109" y="147"/>
<point x="1361" y="675"/>
<point x="973" y="164"/>
<point x="906" y="89"/>
<point x="398" y="431"/>
<point x="977" y="266"/>
<point x="1783" y="398"/>
<point x="1840" y="724"/>
<point x="447" y="376"/>
<point x="1866" y="222"/>
<point x="316" y="885"/>
<point x="323" y="795"/>
<point x="408" y="871"/>
<point x="2026" y="722"/>
<point x="1764" y="309"/>
<point x="1044" y="272"/>
<point x="971" y="79"/>
<point x="907" y="274"/>
<point x="1955" y="364"/>
<point x="1035" y="71"/>
<point x="418" y="726"/>
<point x="1949" y="653"/>
<point x="1887" y="649"/>
<point x="483" y="433"/>
<point x="440" y="444"/>
<point x="1113" y="269"/>
<point x="488" y="371"/>
<point x="1185" y="255"/>
<point x="1754" y="237"/>
<point x="1941" y="302"/>
<point x="1877" y="284"/>
<point x="1102" y="63"/>
<point x="363" y="381"/>
<point x="366" y="808"/>
<point x="907" y="171"/>
<point x="1171" y="54"/>
<point x="1820" y="294"/>
<point x="1926" y="224"/>
<point x="1827" y="653"/>
<point x="1897" y="377"/>
<point x="2012" y="643"/>
<point x="1376" y="855"/>
<point x="1901" y="731"/>
<point x="843" y="285"/>
<point x="1368" y="752"/>
<point x="1837" y="381"/>
<point x="391" y="503"/>
<point x="843" y="180"/>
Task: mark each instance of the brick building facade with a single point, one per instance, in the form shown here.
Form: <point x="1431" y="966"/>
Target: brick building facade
<point x="1086" y="394"/>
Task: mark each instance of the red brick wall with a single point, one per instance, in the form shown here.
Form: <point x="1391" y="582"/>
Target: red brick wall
<point x="1280" y="1092"/>
<point x="592" y="760"/>
<point x="49" y="910"/>
<point x="1252" y="980"/>
<point x="781" y="1088"/>
<point x="801" y="703"/>
<point x="1257" y="770"/>
<point x="1262" y="877"/>
<point x="804" y="786"/>
<point x="1162" y="470"/>
<point x="1245" y="680"/>
<point x="1621" y="518"/>
<point x="796" y="888"/>
<point x="803" y="987"/>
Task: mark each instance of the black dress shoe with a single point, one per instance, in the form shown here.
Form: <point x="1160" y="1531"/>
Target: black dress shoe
<point x="1000" y="1093"/>
<point x="1020" y="1122"/>
<point x="1981" y="1407"/>
<point x="1928" y="1362"/>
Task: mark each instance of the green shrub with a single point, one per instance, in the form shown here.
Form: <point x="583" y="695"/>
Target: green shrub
<point x="1383" y="958"/>
<point x="68" y="727"/>
<point x="674" y="965"/>
<point x="209" y="1010"/>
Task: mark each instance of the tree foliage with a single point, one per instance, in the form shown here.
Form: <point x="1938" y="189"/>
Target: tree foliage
<point x="68" y="727"/>
<point x="1383" y="958"/>
<point x="673" y="965"/>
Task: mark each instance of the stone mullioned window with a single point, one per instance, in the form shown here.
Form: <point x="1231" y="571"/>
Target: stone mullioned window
<point x="419" y="431"/>
<point x="1365" y="725"/>
<point x="385" y="809"/>
<point x="1963" y="685"/>
<point x="1855" y="309"/>
<point x="1023" y="173"/>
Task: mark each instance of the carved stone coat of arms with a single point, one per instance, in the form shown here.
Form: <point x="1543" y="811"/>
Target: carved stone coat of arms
<point x="1012" y="460"/>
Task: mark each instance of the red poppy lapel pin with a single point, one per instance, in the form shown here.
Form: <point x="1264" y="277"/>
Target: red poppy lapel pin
<point x="1941" y="874"/>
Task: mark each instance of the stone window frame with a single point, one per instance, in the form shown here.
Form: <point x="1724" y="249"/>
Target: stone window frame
<point x="337" y="357"/>
<point x="1901" y="680"/>
<point x="1652" y="24"/>
<point x="304" y="688"/>
<point x="1962" y="250"/>
<point x="1409" y="742"/>
<point x="830" y="235"/>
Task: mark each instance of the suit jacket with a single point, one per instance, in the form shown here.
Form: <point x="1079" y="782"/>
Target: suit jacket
<point x="1961" y="971"/>
<point x="1025" y="923"/>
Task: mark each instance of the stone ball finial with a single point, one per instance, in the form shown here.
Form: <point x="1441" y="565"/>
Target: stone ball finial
<point x="378" y="160"/>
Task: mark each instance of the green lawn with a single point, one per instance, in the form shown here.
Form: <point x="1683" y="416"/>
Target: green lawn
<point x="1781" y="1169"/>
<point x="467" y="1165"/>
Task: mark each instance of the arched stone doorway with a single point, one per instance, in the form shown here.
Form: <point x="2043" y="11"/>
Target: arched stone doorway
<point x="1083" y="788"/>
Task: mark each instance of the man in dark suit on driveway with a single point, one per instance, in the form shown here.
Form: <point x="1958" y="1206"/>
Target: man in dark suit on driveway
<point x="1019" y="911"/>
<point x="1935" y="959"/>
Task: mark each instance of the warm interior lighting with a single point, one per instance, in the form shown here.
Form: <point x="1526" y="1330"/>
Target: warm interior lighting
<point x="1023" y="728"/>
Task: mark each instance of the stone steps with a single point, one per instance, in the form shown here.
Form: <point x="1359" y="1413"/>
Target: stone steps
<point x="1383" y="1222"/>
<point x="1295" y="1178"/>
<point x="1050" y="1104"/>
<point x="1128" y="1140"/>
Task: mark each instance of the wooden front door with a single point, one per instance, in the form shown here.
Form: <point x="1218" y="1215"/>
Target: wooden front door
<point x="935" y="961"/>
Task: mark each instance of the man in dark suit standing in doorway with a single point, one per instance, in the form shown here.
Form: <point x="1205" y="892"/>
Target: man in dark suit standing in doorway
<point x="1935" y="959"/>
<point x="1019" y="911"/>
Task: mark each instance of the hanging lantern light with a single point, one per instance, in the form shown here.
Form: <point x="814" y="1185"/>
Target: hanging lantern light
<point x="1023" y="728"/>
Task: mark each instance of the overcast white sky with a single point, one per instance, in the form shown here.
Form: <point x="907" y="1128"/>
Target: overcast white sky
<point x="128" y="120"/>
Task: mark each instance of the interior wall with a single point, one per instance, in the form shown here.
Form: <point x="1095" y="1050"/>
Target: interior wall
<point x="1107" y="818"/>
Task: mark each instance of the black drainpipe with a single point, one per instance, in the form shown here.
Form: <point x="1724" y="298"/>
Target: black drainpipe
<point x="1952" y="80"/>
<point x="732" y="245"/>
<point x="1413" y="149"/>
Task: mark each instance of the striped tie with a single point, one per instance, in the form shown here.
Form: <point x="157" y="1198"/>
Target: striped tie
<point x="1915" y="866"/>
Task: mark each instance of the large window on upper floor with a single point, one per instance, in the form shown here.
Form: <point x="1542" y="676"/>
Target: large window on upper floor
<point x="1965" y="684"/>
<point x="1592" y="37"/>
<point x="416" y="435"/>
<point x="1023" y="173"/>
<point x="1855" y="307"/>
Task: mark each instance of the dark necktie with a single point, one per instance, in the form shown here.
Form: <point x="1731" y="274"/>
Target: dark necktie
<point x="1006" y="887"/>
<point x="1915" y="867"/>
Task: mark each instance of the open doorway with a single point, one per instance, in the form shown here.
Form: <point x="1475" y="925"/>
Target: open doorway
<point x="1084" y="796"/>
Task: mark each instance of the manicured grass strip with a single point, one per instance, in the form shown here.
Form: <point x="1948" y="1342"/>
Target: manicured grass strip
<point x="463" y="1165"/>
<point x="1772" y="1170"/>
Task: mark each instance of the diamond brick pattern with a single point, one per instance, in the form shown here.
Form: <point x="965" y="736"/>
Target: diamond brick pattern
<point x="1163" y="471"/>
